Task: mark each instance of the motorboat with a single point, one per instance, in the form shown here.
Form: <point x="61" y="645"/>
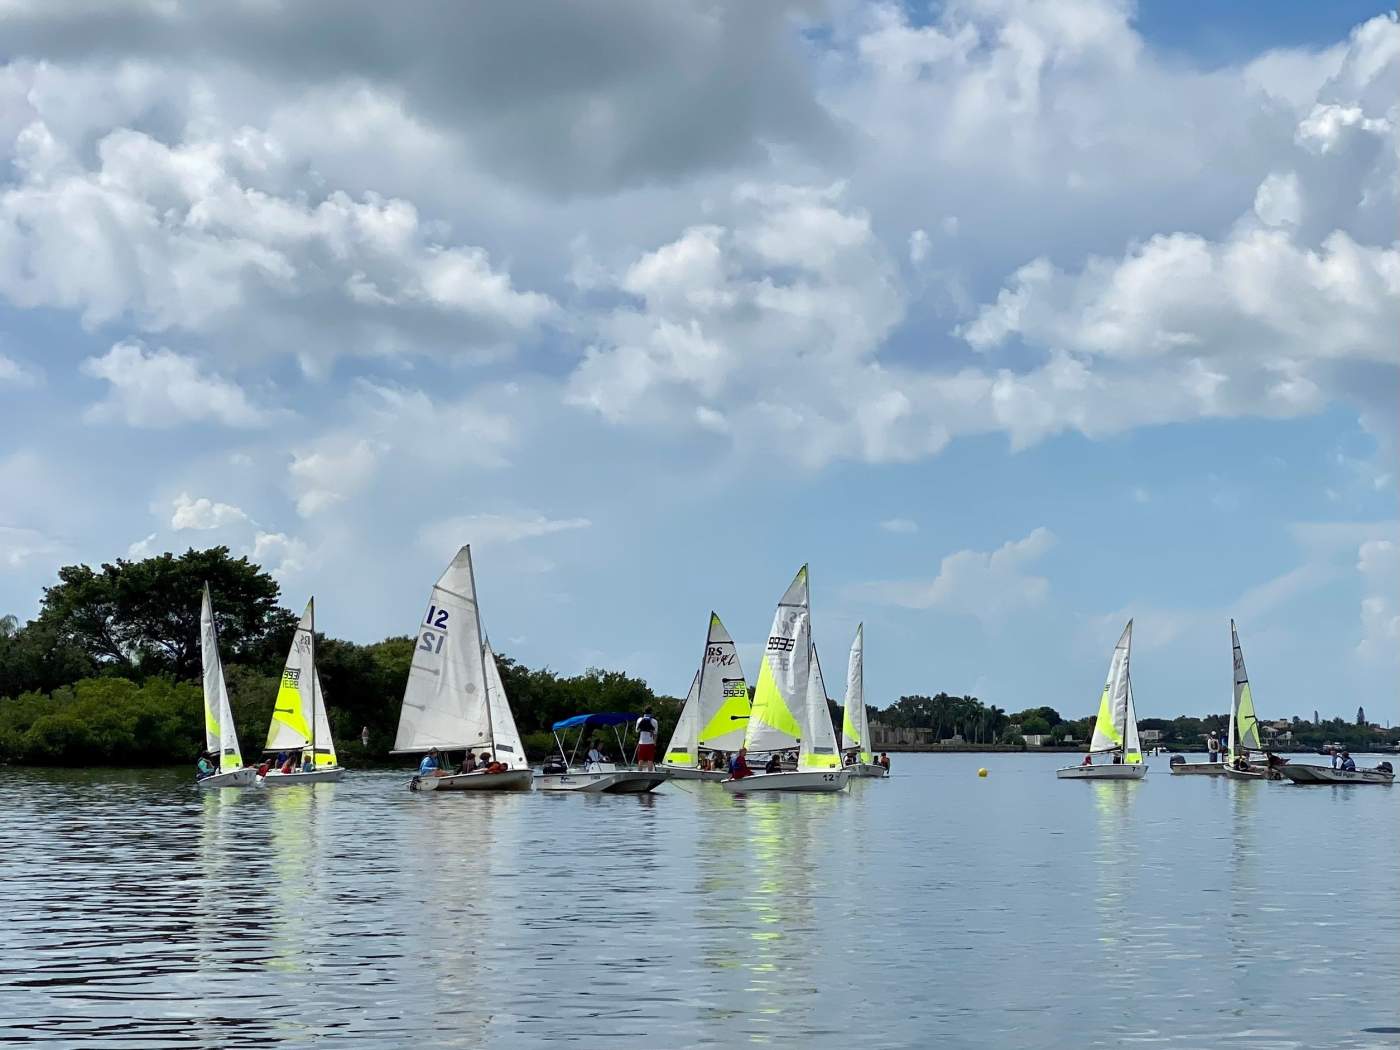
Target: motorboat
<point x="597" y="774"/>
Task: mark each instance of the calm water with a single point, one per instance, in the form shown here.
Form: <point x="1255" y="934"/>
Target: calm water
<point x="935" y="908"/>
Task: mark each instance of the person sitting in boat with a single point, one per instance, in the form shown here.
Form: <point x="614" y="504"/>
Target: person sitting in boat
<point x="850" y="758"/>
<point x="1348" y="763"/>
<point x="262" y="769"/>
<point x="739" y="765"/>
<point x="1117" y="759"/>
<point x="885" y="760"/>
<point x="491" y="765"/>
<point x="1088" y="760"/>
<point x="468" y="763"/>
<point x="308" y="762"/>
<point x="204" y="768"/>
<point x="595" y="754"/>
<point x="429" y="766"/>
<point x="775" y="764"/>
<point x="288" y="765"/>
<point x="1241" y="763"/>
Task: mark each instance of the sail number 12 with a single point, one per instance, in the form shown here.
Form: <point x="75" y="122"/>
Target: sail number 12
<point x="435" y="630"/>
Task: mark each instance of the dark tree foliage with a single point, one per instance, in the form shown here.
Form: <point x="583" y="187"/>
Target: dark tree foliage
<point x="143" y="616"/>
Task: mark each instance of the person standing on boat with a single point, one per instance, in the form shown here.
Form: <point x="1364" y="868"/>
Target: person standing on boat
<point x="1213" y="746"/>
<point x="364" y="737"/>
<point x="646" y="741"/>
<point x="885" y="760"/>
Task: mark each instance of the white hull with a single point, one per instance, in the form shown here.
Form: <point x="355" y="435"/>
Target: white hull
<point x="238" y="778"/>
<point x="1327" y="775"/>
<point x="603" y="782"/>
<point x="511" y="780"/>
<point x="806" y="780"/>
<point x="1121" y="771"/>
<point x="1252" y="773"/>
<point x="1200" y="769"/>
<point x="326" y="774"/>
<point x="691" y="773"/>
<point x="869" y="769"/>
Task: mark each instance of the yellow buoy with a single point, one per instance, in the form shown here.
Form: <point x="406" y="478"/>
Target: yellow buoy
<point x="982" y="772"/>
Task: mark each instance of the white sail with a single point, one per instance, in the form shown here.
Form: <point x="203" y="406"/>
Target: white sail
<point x="220" y="734"/>
<point x="508" y="748"/>
<point x="1244" y="723"/>
<point x="818" y="749"/>
<point x="683" y="750"/>
<point x="723" y="693"/>
<point x="299" y="717"/>
<point x="1114" y="706"/>
<point x="444" y="702"/>
<point x="784" y="674"/>
<point x="1132" y="749"/>
<point x="855" y="720"/>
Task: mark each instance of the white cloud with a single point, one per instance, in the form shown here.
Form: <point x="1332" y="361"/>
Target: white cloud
<point x="15" y="373"/>
<point x="19" y="546"/>
<point x="989" y="585"/>
<point x="323" y="478"/>
<point x="490" y="529"/>
<point x="280" y="554"/>
<point x="203" y="513"/>
<point x="900" y="525"/>
<point x="1378" y="562"/>
<point x="142" y="548"/>
<point x="160" y="388"/>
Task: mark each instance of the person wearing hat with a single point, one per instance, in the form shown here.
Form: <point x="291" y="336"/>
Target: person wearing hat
<point x="429" y="766"/>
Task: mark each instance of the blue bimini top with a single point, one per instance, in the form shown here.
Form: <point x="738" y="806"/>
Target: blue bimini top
<point x="606" y="718"/>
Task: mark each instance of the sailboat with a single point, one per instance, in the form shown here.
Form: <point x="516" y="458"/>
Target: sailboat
<point x="220" y="734"/>
<point x="716" y="710"/>
<point x="1115" y="729"/>
<point x="789" y="678"/>
<point x="1243" y="740"/>
<point x="299" y="721"/>
<point x="855" y="720"/>
<point x="454" y="699"/>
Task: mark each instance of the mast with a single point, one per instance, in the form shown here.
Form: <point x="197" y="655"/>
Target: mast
<point x="313" y="683"/>
<point x="1127" y="689"/>
<point x="700" y="686"/>
<point x="481" y="654"/>
<point x="1230" y="738"/>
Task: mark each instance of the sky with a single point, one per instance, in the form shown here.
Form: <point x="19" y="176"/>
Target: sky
<point x="1013" y="318"/>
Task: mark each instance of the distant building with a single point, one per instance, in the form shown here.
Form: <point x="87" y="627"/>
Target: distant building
<point x="882" y="736"/>
<point x="1014" y="729"/>
<point x="1150" y="736"/>
<point x="1068" y="738"/>
<point x="1038" y="739"/>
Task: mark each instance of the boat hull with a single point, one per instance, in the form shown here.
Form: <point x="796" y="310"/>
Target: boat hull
<point x="691" y="773"/>
<point x="871" y="770"/>
<point x="511" y="780"/>
<point x="1252" y="773"/>
<point x="1198" y="769"/>
<point x="603" y="782"/>
<point x="238" y="778"/>
<point x="816" y="780"/>
<point x="325" y="775"/>
<point x="1326" y="775"/>
<point x="1121" y="771"/>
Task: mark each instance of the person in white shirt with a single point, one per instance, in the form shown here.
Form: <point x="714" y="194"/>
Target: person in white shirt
<point x="595" y="755"/>
<point x="646" y="740"/>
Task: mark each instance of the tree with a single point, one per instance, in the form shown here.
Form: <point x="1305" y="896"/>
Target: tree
<point x="143" y="616"/>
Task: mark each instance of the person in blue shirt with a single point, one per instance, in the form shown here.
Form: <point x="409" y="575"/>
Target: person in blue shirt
<point x="308" y="762"/>
<point x="429" y="766"/>
<point x="1348" y="763"/>
<point x="204" y="768"/>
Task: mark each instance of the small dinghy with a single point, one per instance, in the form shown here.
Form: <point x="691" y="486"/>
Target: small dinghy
<point x="597" y="774"/>
<point x="855" y="719"/>
<point x="454" y="700"/>
<point x="715" y="714"/>
<point x="1242" y="742"/>
<point x="1180" y="767"/>
<point x="299" y="722"/>
<point x="790" y="678"/>
<point x="1115" y="729"/>
<point x="220" y="734"/>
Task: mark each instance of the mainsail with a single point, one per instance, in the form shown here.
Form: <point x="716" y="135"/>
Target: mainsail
<point x="716" y="709"/>
<point x="784" y="674"/>
<point x="508" y="748"/>
<point x="299" y="718"/>
<point x="220" y="734"/>
<point x="1115" y="729"/>
<point x="818" y="750"/>
<point x="444" y="702"/>
<point x="1244" y="723"/>
<point x="855" y="722"/>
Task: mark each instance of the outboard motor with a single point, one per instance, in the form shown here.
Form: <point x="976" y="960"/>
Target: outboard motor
<point x="1384" y="767"/>
<point x="1177" y="760"/>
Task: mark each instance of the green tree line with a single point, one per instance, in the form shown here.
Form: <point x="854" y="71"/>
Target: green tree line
<point x="109" y="670"/>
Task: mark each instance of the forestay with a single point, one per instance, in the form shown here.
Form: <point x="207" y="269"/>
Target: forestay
<point x="783" y="675"/>
<point x="301" y="703"/>
<point x="220" y="734"/>
<point x="1116" y="724"/>
<point x="855" y="721"/>
<point x="1244" y="723"/>
<point x="444" y="702"/>
<point x="818" y="750"/>
<point x="507" y="746"/>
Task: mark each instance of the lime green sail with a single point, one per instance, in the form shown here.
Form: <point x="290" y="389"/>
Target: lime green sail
<point x="1244" y="723"/>
<point x="855" y="721"/>
<point x="299" y="719"/>
<point x="1115" y="728"/>
<point x="716" y="712"/>
<point x="783" y="674"/>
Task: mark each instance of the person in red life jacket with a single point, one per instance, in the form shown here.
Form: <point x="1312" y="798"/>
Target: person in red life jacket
<point x="739" y="766"/>
<point x="289" y="766"/>
<point x="1088" y="760"/>
<point x="262" y="769"/>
